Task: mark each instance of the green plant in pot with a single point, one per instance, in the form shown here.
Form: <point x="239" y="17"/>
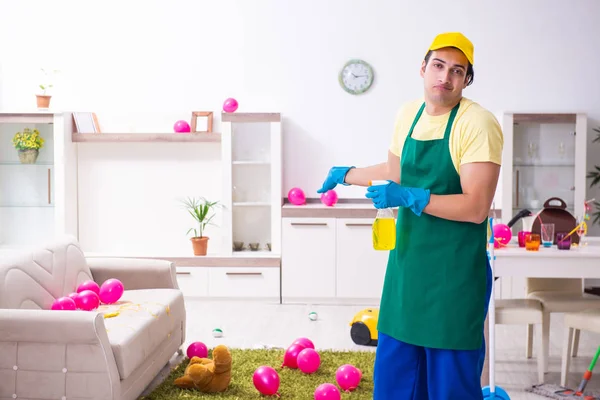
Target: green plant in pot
<point x="202" y="211"/>
<point x="594" y="175"/>
<point x="28" y="143"/>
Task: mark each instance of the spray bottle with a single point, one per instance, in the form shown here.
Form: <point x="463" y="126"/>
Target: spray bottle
<point x="384" y="226"/>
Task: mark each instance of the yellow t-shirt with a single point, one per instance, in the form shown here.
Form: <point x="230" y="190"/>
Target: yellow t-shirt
<point x="475" y="137"/>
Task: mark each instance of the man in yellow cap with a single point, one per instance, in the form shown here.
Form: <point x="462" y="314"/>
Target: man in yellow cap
<point x="442" y="170"/>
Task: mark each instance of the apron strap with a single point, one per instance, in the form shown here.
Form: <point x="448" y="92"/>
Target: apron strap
<point x="416" y="119"/>
<point x="451" y="122"/>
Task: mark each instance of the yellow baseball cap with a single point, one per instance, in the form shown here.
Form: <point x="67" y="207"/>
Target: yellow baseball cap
<point x="454" y="39"/>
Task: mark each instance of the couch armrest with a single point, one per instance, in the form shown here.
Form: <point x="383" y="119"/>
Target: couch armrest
<point x="44" y="343"/>
<point x="134" y="273"/>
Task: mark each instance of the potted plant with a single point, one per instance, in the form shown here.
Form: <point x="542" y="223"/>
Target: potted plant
<point x="43" y="99"/>
<point x="28" y="144"/>
<point x="594" y="175"/>
<point x="202" y="211"/>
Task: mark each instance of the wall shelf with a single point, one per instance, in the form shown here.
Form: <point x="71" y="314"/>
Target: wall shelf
<point x="144" y="137"/>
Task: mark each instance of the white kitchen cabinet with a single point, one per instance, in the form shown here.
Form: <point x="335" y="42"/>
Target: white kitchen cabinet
<point x="193" y="281"/>
<point x="308" y="259"/>
<point x="244" y="282"/>
<point x="360" y="270"/>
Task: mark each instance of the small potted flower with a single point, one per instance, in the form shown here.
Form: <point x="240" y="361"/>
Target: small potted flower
<point x="43" y="99"/>
<point x="28" y="144"/>
<point x="202" y="212"/>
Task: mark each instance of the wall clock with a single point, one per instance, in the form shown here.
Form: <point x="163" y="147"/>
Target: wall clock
<point x="356" y="76"/>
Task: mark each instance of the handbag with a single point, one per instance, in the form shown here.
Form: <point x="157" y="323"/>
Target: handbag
<point x="555" y="212"/>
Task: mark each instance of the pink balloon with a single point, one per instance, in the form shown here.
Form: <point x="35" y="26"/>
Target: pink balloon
<point x="306" y="342"/>
<point x="181" y="126"/>
<point x="64" y="303"/>
<point x="329" y="198"/>
<point x="327" y="391"/>
<point x="502" y="235"/>
<point x="308" y="361"/>
<point x="197" y="349"/>
<point x="73" y="296"/>
<point x="230" y="105"/>
<point x="296" y="196"/>
<point x="266" y="380"/>
<point x="348" y="377"/>
<point x="290" y="359"/>
<point x="111" y="291"/>
<point x="88" y="285"/>
<point x="87" y="300"/>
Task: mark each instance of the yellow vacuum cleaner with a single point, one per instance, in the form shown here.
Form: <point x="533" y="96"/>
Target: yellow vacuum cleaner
<point x="363" y="329"/>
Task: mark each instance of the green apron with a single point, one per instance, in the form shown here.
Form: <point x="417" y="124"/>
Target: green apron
<point x="435" y="283"/>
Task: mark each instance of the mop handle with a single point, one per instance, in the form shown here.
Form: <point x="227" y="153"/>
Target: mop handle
<point x="593" y="363"/>
<point x="492" y="314"/>
<point x="588" y="374"/>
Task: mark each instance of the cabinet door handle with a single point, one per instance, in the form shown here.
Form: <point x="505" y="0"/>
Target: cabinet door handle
<point x="358" y="224"/>
<point x="183" y="273"/>
<point x="244" y="273"/>
<point x="49" y="188"/>
<point x="309" y="223"/>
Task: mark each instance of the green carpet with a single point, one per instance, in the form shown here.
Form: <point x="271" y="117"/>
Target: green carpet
<point x="294" y="383"/>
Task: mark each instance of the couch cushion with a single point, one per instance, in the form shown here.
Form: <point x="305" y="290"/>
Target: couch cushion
<point x="33" y="279"/>
<point x="146" y="317"/>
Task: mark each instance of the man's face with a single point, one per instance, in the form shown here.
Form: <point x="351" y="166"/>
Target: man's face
<point x="445" y="76"/>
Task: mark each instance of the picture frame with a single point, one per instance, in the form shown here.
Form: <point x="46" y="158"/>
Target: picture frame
<point x="208" y="115"/>
<point x="86" y="122"/>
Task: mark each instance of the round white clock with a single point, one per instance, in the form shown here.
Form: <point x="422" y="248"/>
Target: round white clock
<point x="356" y="76"/>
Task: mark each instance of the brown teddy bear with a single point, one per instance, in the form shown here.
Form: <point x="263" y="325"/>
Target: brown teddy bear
<point x="206" y="375"/>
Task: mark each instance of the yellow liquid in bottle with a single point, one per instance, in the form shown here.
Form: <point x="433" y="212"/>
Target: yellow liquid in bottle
<point x="384" y="234"/>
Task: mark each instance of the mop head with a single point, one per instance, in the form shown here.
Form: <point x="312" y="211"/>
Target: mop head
<point x="558" y="392"/>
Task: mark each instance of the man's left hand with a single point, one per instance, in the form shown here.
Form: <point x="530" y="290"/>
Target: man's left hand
<point x="395" y="195"/>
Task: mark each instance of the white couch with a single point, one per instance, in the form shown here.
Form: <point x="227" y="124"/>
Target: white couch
<point x="46" y="354"/>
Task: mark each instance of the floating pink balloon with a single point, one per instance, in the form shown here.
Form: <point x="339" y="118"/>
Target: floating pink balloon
<point x="308" y="361"/>
<point x="197" y="349"/>
<point x="111" y="291"/>
<point x="296" y="196"/>
<point x="290" y="359"/>
<point x="88" y="285"/>
<point x="327" y="391"/>
<point x="64" y="303"/>
<point x="502" y="235"/>
<point x="329" y="198"/>
<point x="230" y="105"/>
<point x="181" y="126"/>
<point x="87" y="300"/>
<point x="348" y="377"/>
<point x="306" y="342"/>
<point x="266" y="380"/>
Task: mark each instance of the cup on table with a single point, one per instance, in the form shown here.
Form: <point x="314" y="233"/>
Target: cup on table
<point x="532" y="242"/>
<point x="563" y="242"/>
<point x="521" y="236"/>
<point x="547" y="231"/>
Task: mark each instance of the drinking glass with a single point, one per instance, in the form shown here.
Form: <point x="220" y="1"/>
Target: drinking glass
<point x="521" y="236"/>
<point x="532" y="242"/>
<point x="547" y="234"/>
<point x="563" y="242"/>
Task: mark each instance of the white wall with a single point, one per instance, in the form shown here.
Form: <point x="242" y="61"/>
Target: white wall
<point x="141" y="65"/>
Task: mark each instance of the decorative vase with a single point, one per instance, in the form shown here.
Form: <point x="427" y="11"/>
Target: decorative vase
<point x="43" y="101"/>
<point x="200" y="245"/>
<point x="28" y="156"/>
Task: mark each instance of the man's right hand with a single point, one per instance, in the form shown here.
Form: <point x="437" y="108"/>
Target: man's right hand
<point x="335" y="177"/>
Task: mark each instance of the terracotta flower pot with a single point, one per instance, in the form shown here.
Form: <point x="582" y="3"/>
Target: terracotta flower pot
<point x="200" y="245"/>
<point x="43" y="101"/>
<point x="28" y="156"/>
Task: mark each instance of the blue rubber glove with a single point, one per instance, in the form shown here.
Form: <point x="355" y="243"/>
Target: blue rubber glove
<point x="395" y="195"/>
<point x="335" y="177"/>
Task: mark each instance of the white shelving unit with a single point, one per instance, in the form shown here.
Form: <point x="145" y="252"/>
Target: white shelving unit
<point x="251" y="146"/>
<point x="544" y="156"/>
<point x="37" y="201"/>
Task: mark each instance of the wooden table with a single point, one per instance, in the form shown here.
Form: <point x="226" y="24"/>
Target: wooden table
<point x="515" y="262"/>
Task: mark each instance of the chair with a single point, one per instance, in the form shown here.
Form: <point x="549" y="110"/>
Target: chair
<point x="522" y="312"/>
<point x="588" y="320"/>
<point x="558" y="295"/>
